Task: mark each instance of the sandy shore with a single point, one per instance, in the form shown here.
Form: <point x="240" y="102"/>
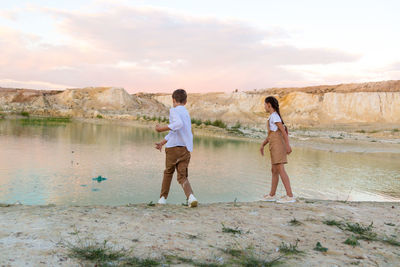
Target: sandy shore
<point x="37" y="235"/>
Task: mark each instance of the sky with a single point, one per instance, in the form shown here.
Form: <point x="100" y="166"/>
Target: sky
<point x="202" y="46"/>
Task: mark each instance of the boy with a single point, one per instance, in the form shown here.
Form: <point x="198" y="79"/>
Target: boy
<point x="179" y="145"/>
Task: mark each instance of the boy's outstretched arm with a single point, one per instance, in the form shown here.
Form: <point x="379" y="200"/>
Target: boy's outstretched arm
<point x="160" y="144"/>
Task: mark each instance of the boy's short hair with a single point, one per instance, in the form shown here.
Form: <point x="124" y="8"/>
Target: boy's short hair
<point x="179" y="95"/>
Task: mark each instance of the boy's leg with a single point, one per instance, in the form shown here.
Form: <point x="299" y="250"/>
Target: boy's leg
<point x="182" y="169"/>
<point x="170" y="162"/>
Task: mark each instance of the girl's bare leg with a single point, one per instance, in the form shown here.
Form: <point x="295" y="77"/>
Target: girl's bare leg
<point x="285" y="179"/>
<point x="275" y="180"/>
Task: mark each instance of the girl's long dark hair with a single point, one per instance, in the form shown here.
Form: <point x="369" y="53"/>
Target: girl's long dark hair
<point x="274" y="104"/>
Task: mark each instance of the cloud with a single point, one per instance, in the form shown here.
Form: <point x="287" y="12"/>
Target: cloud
<point x="150" y="49"/>
<point x="10" y="14"/>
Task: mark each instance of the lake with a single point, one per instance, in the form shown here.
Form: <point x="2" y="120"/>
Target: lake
<point x="56" y="163"/>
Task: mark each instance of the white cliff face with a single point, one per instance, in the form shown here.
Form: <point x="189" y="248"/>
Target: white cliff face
<point x="362" y="107"/>
<point x="297" y="108"/>
<point x="230" y="107"/>
<point x="309" y="106"/>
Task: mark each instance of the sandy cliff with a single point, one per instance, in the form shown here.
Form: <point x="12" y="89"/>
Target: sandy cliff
<point x="373" y="103"/>
<point x="377" y="102"/>
<point x="87" y="102"/>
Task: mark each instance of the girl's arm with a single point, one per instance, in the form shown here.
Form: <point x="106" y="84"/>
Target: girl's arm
<point x="281" y="127"/>
<point x="263" y="145"/>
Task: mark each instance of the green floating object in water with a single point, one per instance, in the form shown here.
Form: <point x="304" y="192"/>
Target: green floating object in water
<point x="99" y="179"/>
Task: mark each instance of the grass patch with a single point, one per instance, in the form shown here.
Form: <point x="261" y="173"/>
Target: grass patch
<point x="219" y="123"/>
<point x="373" y="131"/>
<point x="390" y="240"/>
<point x="137" y="262"/>
<point x="319" y="247"/>
<point x="99" y="116"/>
<point x="103" y="254"/>
<point x="24" y="114"/>
<point x="231" y="230"/>
<point x="153" y="118"/>
<point x="45" y="121"/>
<point x="198" y="122"/>
<point x="96" y="252"/>
<point x="207" y="122"/>
<point x="295" y="222"/>
<point x="247" y="257"/>
<point x="151" y="204"/>
<point x="174" y="260"/>
<point x="358" y="228"/>
<point x="333" y="223"/>
<point x="395" y="130"/>
<point x="289" y="249"/>
<point x="352" y="241"/>
<point x="360" y="131"/>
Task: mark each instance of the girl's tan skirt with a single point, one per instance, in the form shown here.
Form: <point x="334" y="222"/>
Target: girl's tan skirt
<point x="277" y="148"/>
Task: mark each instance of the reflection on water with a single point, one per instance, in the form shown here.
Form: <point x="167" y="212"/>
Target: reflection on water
<point x="56" y="164"/>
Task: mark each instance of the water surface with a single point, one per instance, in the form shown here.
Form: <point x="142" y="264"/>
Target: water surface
<point x="42" y="164"/>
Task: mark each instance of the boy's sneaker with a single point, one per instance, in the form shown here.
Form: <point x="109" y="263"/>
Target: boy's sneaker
<point x="192" y="201"/>
<point x="269" y="198"/>
<point x="286" y="199"/>
<point x="162" y="201"/>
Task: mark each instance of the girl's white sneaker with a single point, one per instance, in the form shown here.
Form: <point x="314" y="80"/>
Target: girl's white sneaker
<point x="286" y="199"/>
<point x="192" y="201"/>
<point x="269" y="198"/>
<point x="162" y="201"/>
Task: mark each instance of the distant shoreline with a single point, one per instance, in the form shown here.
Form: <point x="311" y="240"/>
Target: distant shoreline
<point x="335" y="139"/>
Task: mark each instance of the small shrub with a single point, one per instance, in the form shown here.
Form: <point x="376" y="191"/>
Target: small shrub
<point x="230" y="230"/>
<point x="198" y="122"/>
<point x="24" y="114"/>
<point x="395" y="130"/>
<point x="237" y="125"/>
<point x="208" y="122"/>
<point x="358" y="228"/>
<point x="333" y="223"/>
<point x="352" y="241"/>
<point x="295" y="222"/>
<point x="289" y="248"/>
<point x="219" y="123"/>
<point x="99" y="116"/>
<point x="95" y="252"/>
<point x="319" y="247"/>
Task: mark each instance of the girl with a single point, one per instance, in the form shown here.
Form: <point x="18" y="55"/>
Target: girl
<point x="278" y="147"/>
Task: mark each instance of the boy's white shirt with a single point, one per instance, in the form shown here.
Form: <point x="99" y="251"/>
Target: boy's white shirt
<point x="274" y="118"/>
<point x="181" y="128"/>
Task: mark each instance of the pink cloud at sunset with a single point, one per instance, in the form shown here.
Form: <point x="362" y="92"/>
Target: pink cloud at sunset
<point x="154" y="49"/>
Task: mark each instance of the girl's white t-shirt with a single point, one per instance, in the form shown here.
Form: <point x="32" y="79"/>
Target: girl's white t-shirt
<point x="274" y="118"/>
